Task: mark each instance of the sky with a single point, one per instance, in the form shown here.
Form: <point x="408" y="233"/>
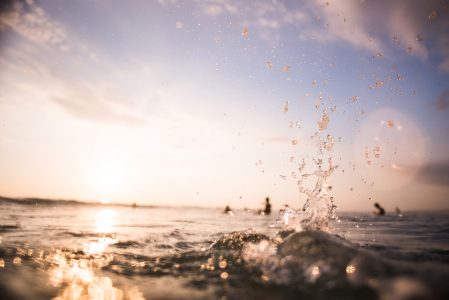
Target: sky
<point x="209" y="103"/>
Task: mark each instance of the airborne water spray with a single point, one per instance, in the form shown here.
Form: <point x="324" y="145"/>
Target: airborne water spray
<point x="319" y="208"/>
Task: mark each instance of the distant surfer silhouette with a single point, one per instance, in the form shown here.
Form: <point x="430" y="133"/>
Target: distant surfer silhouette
<point x="380" y="210"/>
<point x="227" y="210"/>
<point x="267" y="209"/>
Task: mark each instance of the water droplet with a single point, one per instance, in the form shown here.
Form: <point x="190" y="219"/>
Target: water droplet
<point x="379" y="83"/>
<point x="322" y="124"/>
<point x="376" y="152"/>
<point x="350" y="269"/>
<point x="265" y="278"/>
<point x="367" y="152"/>
<point x="179" y="25"/>
<point x="396" y="40"/>
<point x="269" y="64"/>
<point x="286" y="106"/>
<point x="17" y="261"/>
<point x="433" y="15"/>
<point x="222" y="264"/>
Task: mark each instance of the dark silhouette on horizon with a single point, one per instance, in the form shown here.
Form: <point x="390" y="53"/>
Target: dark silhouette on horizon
<point x="380" y="210"/>
<point x="227" y="209"/>
<point x="267" y="209"/>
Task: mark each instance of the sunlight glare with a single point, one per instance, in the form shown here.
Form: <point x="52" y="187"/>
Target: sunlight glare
<point x="107" y="178"/>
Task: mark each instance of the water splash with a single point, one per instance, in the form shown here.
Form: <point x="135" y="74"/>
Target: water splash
<point x="319" y="208"/>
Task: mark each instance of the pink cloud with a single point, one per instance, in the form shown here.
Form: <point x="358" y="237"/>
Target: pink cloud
<point x="31" y="22"/>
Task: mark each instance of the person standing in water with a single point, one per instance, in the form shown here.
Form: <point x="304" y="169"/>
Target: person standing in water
<point x="227" y="210"/>
<point x="267" y="209"/>
<point x="380" y="210"/>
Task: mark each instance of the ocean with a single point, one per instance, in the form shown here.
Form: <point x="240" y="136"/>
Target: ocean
<point x="70" y="250"/>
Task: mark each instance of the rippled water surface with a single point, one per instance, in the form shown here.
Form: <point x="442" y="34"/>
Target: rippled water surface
<point x="113" y="252"/>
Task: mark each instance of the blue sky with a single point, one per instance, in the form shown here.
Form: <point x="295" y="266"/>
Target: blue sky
<point x="183" y="102"/>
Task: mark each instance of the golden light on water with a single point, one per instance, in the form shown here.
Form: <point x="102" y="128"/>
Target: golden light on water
<point x="350" y="269"/>
<point x="105" y="220"/>
<point x="78" y="278"/>
<point x="17" y="260"/>
<point x="104" y="225"/>
<point x="224" y="275"/>
<point x="98" y="246"/>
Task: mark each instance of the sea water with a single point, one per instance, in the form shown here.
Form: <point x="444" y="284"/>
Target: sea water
<point x="77" y="251"/>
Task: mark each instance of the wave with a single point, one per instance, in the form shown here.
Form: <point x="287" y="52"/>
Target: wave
<point x="298" y="264"/>
<point x="127" y="244"/>
<point x="89" y="234"/>
<point x="319" y="259"/>
<point x="6" y="228"/>
<point x="40" y="201"/>
<point x="251" y="265"/>
<point x="60" y="202"/>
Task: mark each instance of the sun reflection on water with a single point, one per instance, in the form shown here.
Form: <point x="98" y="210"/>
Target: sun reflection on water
<point x="104" y="228"/>
<point x="77" y="273"/>
<point x="105" y="220"/>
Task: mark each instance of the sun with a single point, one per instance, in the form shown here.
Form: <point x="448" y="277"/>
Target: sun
<point x="107" y="179"/>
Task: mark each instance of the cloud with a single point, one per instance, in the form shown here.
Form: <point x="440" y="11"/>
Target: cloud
<point x="436" y="173"/>
<point x="404" y="24"/>
<point x="97" y="97"/>
<point x="213" y="10"/>
<point x="416" y="28"/>
<point x="265" y="18"/>
<point x="86" y="105"/>
<point x="343" y="21"/>
<point x="442" y="102"/>
<point x="31" y="22"/>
